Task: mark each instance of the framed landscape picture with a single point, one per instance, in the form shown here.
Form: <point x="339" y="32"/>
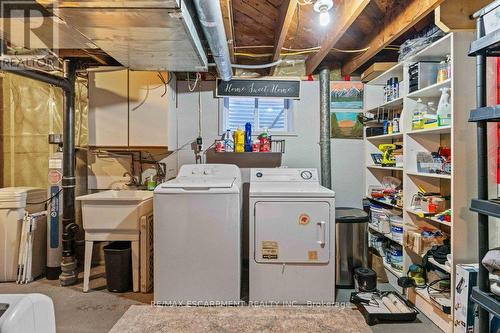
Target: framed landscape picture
<point x="346" y="125"/>
<point x="346" y="95"/>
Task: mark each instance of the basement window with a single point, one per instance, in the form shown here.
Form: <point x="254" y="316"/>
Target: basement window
<point x="274" y="114"/>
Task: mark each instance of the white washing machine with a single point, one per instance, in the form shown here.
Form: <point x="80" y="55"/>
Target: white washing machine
<point x="197" y="236"/>
<point x="292" y="237"/>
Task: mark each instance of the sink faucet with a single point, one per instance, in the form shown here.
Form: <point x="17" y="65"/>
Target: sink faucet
<point x="132" y="181"/>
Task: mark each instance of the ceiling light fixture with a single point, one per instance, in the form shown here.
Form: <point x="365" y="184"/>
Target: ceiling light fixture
<point x="322" y="7"/>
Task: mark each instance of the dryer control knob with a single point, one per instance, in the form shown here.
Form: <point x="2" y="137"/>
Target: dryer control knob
<point x="258" y="174"/>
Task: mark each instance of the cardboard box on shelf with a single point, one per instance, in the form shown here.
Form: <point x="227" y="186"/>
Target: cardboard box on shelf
<point x="465" y="279"/>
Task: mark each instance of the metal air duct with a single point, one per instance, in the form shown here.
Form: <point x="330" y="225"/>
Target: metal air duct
<point x="210" y="17"/>
<point x="324" y="127"/>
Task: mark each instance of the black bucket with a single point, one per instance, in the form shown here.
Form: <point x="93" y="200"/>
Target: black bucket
<point x="118" y="262"/>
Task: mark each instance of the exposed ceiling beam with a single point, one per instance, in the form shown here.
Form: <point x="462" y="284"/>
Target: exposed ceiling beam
<point x="287" y="10"/>
<point x="227" y="16"/>
<point x="402" y="17"/>
<point x="81" y="53"/>
<point x="343" y="15"/>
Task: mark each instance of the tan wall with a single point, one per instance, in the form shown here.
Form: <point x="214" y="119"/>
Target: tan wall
<point x="32" y="110"/>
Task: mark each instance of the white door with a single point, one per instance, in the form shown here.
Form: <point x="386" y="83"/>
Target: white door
<point x="148" y="114"/>
<point x="108" y="108"/>
<point x="292" y="232"/>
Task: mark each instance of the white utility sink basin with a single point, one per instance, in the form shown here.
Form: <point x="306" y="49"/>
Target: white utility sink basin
<point x="116" y="213"/>
<point x="118" y="195"/>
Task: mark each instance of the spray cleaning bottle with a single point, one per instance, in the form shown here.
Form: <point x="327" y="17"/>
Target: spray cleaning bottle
<point x="444" y="108"/>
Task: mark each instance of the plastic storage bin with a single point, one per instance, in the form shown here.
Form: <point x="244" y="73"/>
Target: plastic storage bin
<point x="396" y="253"/>
<point x="376" y="213"/>
<point x="118" y="263"/>
<point x="397" y="228"/>
<point x="14" y="202"/>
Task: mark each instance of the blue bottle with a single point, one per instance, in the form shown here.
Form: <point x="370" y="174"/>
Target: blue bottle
<point x="248" y="137"/>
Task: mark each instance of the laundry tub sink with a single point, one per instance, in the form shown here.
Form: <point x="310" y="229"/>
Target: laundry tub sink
<point x="115" y="216"/>
<point x="114" y="212"/>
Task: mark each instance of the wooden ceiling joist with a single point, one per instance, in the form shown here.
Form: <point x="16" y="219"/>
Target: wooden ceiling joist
<point x="401" y="18"/>
<point x="343" y="15"/>
<point x="227" y="16"/>
<point x="287" y="11"/>
<point x="77" y="53"/>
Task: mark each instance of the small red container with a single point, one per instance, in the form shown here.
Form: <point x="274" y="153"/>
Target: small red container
<point x="220" y="147"/>
<point x="265" y="145"/>
<point x="256" y="147"/>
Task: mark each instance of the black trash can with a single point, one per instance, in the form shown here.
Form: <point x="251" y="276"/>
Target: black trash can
<point x="118" y="263"/>
<point x="352" y="244"/>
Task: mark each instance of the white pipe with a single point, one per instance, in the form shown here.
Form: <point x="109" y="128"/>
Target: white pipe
<point x="272" y="64"/>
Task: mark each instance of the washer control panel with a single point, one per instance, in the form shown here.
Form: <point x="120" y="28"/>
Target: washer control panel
<point x="306" y="174"/>
<point x="284" y="175"/>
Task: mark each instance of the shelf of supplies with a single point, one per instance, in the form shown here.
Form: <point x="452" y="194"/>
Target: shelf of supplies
<point x="488" y="45"/>
<point x="487" y="113"/>
<point x="486" y="207"/>
<point x="429" y="131"/>
<point x="437" y="50"/>
<point x="393" y="270"/>
<point x="429" y="175"/>
<point x="420" y="214"/>
<point x="384" y="167"/>
<point x="388" y="236"/>
<point x="487" y="301"/>
<point x="433" y="90"/>
<point x="445" y="268"/>
<point x="385" y="136"/>
<point x="245" y="160"/>
<point x="377" y="201"/>
<point x="394" y="71"/>
<point x="391" y="105"/>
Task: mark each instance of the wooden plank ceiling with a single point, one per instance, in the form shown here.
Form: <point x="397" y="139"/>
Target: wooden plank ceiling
<point x="256" y="27"/>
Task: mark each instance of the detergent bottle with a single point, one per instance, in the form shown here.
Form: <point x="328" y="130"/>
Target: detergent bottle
<point x="239" y="141"/>
<point x="444" y="108"/>
<point x="228" y="141"/>
<point x="248" y="137"/>
<point x="417" y="121"/>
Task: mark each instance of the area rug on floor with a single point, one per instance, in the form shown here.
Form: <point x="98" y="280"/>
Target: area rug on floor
<point x="148" y="319"/>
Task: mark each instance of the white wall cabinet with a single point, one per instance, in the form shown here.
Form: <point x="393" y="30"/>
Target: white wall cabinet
<point x="108" y="108"/>
<point x="148" y="113"/>
<point x="127" y="109"/>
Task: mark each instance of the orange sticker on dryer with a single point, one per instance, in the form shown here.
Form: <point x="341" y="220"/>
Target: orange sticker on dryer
<point x="304" y="219"/>
<point x="312" y="255"/>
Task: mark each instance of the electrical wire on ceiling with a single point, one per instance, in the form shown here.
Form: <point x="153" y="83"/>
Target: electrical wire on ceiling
<point x="149" y="88"/>
<point x="165" y="83"/>
<point x="143" y="100"/>
<point x="198" y="78"/>
<point x="304" y="51"/>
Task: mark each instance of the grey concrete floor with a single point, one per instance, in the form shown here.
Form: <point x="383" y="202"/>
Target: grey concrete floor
<point x="77" y="312"/>
<point x="422" y="324"/>
<point x="98" y="310"/>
